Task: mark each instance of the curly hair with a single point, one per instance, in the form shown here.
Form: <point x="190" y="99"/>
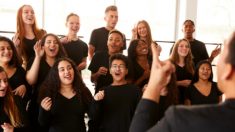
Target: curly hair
<point x="132" y="48"/>
<point x="52" y="84"/>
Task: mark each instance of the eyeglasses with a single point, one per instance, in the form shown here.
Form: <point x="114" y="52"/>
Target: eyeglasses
<point x="121" y="67"/>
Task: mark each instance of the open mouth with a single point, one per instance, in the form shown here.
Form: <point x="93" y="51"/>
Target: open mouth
<point x="6" y="56"/>
<point x="205" y="74"/>
<point x="74" y="29"/>
<point x="52" y="50"/>
<point x="114" y="47"/>
<point x="30" y="19"/>
<point x="145" y="50"/>
<point x="68" y="77"/>
<point x="117" y="74"/>
<point x="2" y="90"/>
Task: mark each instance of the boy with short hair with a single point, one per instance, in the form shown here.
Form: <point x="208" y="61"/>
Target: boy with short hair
<point x="114" y="107"/>
<point x="99" y="36"/>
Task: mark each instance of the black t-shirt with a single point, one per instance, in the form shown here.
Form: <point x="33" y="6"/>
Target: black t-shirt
<point x="22" y="114"/>
<point x="182" y="74"/>
<point x="117" y="108"/>
<point x="66" y="115"/>
<point x="44" y="69"/>
<point x="101" y="59"/>
<point x="197" y="97"/>
<point x="33" y="109"/>
<point x="29" y="44"/>
<point x="3" y="115"/>
<point x="99" y="38"/>
<point x="135" y="71"/>
<point x="17" y="79"/>
<point x="199" y="51"/>
<point x="76" y="50"/>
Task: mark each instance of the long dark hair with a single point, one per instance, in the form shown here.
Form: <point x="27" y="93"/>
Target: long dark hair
<point x="132" y="48"/>
<point x="132" y="58"/>
<point x="196" y="75"/>
<point x="62" y="52"/>
<point x="172" y="95"/>
<point x="51" y="86"/>
<point x="10" y="107"/>
<point x="15" y="60"/>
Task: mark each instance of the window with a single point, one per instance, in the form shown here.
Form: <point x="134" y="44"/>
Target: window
<point x="91" y="15"/>
<point x="8" y="13"/>
<point x="161" y="24"/>
<point x="215" y="20"/>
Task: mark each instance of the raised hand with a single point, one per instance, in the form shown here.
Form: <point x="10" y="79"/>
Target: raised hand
<point x="38" y="49"/>
<point x="216" y="52"/>
<point x="7" y="127"/>
<point x="64" y="40"/>
<point x="134" y="32"/>
<point x="16" y="40"/>
<point x="102" y="71"/>
<point x="159" y="77"/>
<point x="99" y="96"/>
<point x="46" y="103"/>
<point x="20" y="91"/>
<point x="161" y="70"/>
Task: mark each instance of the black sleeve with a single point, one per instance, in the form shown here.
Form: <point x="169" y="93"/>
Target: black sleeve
<point x="93" y="67"/>
<point x="23" y="114"/>
<point x="85" y="51"/>
<point x="94" y="111"/>
<point x="160" y="127"/>
<point x="130" y="75"/>
<point x="30" y="63"/>
<point x="94" y="116"/>
<point x="124" y="41"/>
<point x="44" y="117"/>
<point x="145" y="116"/>
<point x="24" y="82"/>
<point x="93" y="38"/>
<point x="203" y="51"/>
<point x="188" y="91"/>
<point x="164" y="124"/>
<point x="214" y="84"/>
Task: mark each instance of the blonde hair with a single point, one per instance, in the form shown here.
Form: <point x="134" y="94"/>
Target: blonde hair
<point x="111" y="8"/>
<point x="70" y="15"/>
<point x="174" y="57"/>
